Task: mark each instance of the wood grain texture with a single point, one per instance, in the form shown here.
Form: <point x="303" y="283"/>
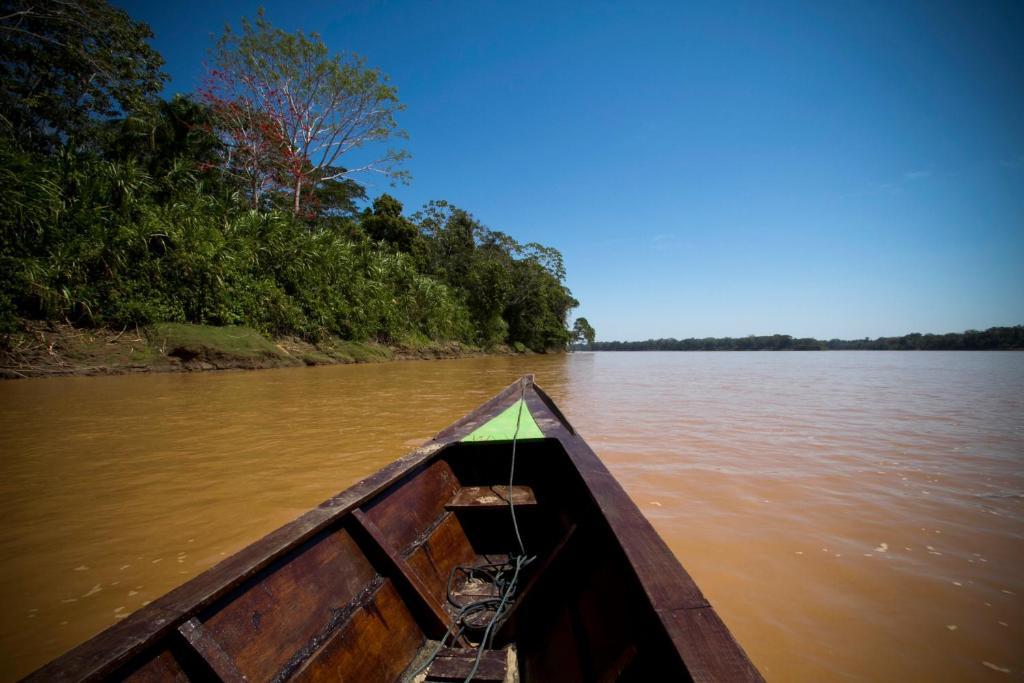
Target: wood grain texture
<point x="162" y="668"/>
<point x="506" y="626"/>
<point x="556" y="655"/>
<point x="409" y="582"/>
<point x="710" y="653"/>
<point x="453" y="665"/>
<point x="207" y="647"/>
<point x="433" y="560"/>
<point x="271" y="618"/>
<point x="411" y="506"/>
<point x="374" y="646"/>
<point x="111" y="648"/>
<point x="496" y="496"/>
<point x="103" y="654"/>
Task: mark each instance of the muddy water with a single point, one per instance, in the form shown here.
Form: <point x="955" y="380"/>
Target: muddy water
<point x="853" y="516"/>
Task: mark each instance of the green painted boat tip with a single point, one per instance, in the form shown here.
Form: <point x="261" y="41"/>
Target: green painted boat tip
<point x="502" y="427"/>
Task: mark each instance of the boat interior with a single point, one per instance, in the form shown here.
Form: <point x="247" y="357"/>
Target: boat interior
<point x="434" y="579"/>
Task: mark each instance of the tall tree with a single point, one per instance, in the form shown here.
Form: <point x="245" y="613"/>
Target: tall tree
<point x="385" y="223"/>
<point x="255" y="151"/>
<point x="67" y="65"/>
<point x="450" y="234"/>
<point x="303" y="109"/>
<point x="174" y="130"/>
<point x="583" y="331"/>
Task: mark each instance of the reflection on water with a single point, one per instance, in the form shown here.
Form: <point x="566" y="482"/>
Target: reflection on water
<point x="851" y="515"/>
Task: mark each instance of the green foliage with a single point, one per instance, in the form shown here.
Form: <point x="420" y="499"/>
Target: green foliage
<point x="994" y="338"/>
<point x="774" y="342"/>
<point x="141" y="229"/>
<point x="385" y="223"/>
<point x="332" y="198"/>
<point x="355" y="352"/>
<point x="204" y="341"/>
<point x="537" y="309"/>
<point x="290" y="112"/>
<point x="582" y="331"/>
<point x="514" y="292"/>
<point x="67" y="66"/>
<point x="163" y="137"/>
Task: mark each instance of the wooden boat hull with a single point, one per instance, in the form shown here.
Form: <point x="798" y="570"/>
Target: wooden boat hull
<point x="360" y="588"/>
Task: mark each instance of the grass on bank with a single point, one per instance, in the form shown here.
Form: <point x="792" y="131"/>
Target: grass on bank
<point x="39" y="349"/>
<point x="205" y="342"/>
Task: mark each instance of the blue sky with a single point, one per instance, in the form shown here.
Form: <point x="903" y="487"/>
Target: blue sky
<point x="827" y="169"/>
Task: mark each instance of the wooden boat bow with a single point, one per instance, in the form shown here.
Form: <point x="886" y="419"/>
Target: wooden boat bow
<point x="363" y="586"/>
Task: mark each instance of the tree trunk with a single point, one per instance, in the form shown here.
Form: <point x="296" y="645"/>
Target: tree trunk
<point x="298" y="194"/>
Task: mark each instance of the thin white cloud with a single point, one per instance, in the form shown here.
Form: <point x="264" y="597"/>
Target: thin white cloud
<point x="911" y="176"/>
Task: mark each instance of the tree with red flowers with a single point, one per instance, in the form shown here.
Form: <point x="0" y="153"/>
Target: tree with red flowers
<point x="291" y="113"/>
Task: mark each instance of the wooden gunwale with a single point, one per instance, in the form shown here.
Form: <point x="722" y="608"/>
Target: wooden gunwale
<point x="703" y="642"/>
<point x="707" y="648"/>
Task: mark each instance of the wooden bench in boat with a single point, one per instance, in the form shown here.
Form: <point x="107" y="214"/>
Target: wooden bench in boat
<point x="496" y="496"/>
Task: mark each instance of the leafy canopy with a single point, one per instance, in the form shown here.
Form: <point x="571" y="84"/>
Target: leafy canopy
<point x="582" y="331"/>
<point x="291" y="111"/>
<point x="67" y="65"/>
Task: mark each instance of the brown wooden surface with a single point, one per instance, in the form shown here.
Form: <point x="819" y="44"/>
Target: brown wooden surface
<point x="414" y="587"/>
<point x="557" y="658"/>
<point x="163" y="668"/>
<point x="271" y="619"/>
<point x="495" y="496"/>
<point x="455" y="664"/>
<point x="523" y="595"/>
<point x="102" y="654"/>
<point x="207" y="647"/>
<point x="111" y="647"/>
<point x="433" y="560"/>
<point x="406" y="510"/>
<point x="374" y="646"/>
<point x="708" y="648"/>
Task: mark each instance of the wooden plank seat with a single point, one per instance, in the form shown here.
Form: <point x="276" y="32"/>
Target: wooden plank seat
<point x="496" y="496"/>
<point x="454" y="664"/>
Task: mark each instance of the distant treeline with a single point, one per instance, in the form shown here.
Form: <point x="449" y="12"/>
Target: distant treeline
<point x="994" y="338"/>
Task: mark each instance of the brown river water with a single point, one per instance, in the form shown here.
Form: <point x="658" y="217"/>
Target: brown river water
<point x="852" y="515"/>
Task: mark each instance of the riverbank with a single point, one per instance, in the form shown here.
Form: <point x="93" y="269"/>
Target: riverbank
<point x="55" y="349"/>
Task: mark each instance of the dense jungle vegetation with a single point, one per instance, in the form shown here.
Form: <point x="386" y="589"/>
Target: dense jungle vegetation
<point x="239" y="204"/>
<point x="994" y="338"/>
